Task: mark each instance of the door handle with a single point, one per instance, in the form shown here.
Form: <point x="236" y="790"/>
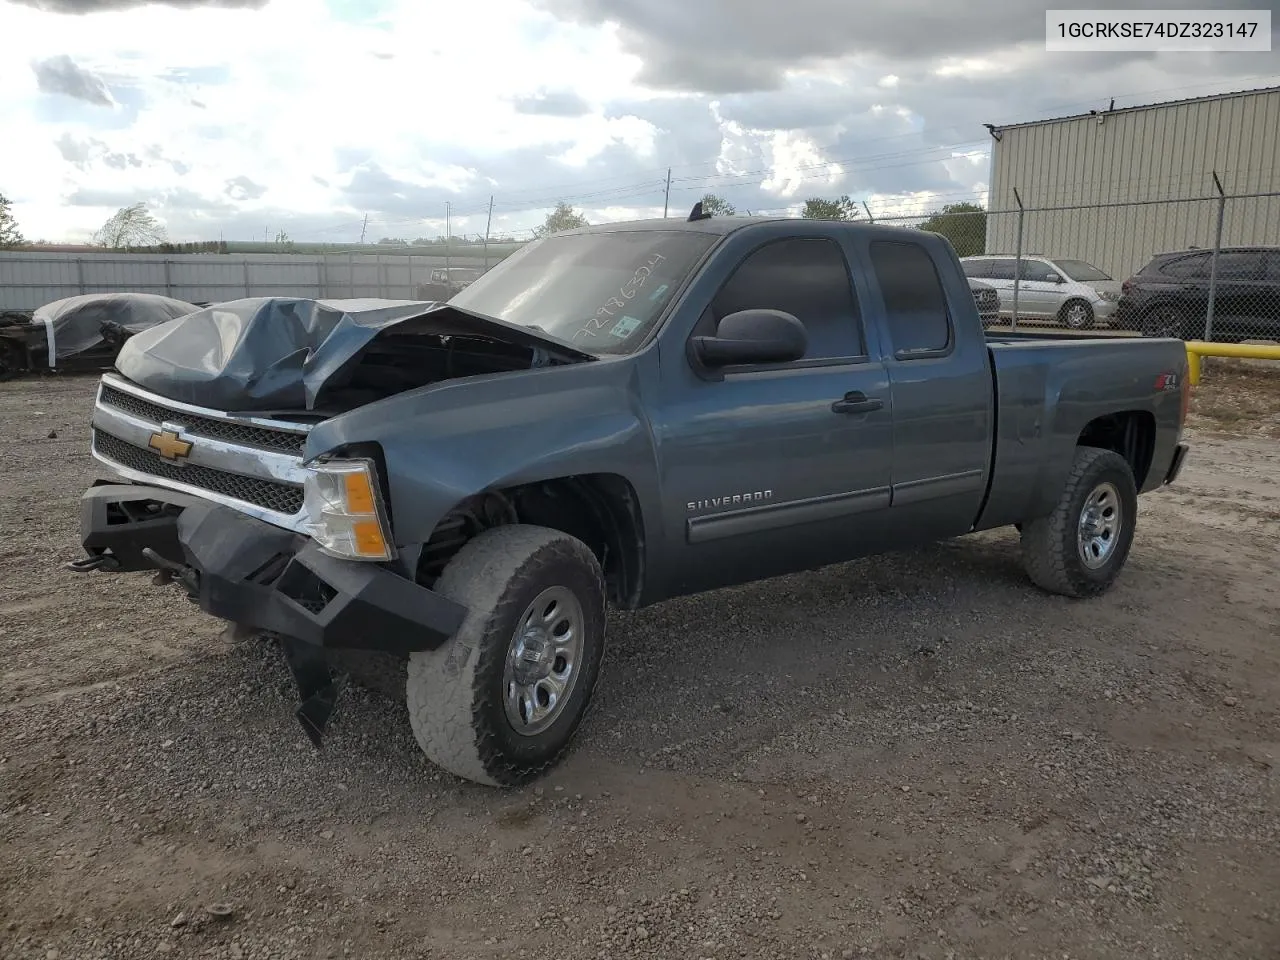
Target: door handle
<point x="856" y="402"/>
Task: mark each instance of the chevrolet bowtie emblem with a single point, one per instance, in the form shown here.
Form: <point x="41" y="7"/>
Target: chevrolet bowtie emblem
<point x="169" y="445"/>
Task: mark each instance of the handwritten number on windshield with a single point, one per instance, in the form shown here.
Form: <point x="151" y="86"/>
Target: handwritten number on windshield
<point x="619" y="302"/>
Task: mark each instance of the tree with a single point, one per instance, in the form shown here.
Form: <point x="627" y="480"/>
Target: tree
<point x="10" y="235"/>
<point x="842" y="208"/>
<point x="964" y="224"/>
<point x="130" y="227"/>
<point x="717" y="206"/>
<point x="282" y="241"/>
<point x="563" y="217"/>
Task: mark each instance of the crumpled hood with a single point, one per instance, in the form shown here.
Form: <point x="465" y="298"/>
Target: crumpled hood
<point x="281" y="353"/>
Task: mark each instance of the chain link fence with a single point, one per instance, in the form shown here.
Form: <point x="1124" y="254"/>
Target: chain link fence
<point x="1204" y="268"/>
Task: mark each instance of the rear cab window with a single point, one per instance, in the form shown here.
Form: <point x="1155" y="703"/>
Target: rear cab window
<point x="916" y="313"/>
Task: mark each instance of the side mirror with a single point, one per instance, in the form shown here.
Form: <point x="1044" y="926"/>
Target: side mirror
<point x="753" y="336"/>
<point x="1056" y="278"/>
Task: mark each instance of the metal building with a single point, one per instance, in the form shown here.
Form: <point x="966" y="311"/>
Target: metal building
<point x="1116" y="186"/>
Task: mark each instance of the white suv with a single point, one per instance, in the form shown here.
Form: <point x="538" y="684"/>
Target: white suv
<point x="1072" y="292"/>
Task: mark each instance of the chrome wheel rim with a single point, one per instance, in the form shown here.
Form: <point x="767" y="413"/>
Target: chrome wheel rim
<point x="1100" y="525"/>
<point x="1077" y="315"/>
<point x="543" y="661"/>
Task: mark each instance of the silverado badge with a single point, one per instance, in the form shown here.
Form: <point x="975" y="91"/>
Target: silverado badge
<point x="169" y="445"/>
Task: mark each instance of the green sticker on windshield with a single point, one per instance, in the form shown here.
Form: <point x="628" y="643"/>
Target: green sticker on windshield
<point x="659" y="292"/>
<point x="624" y="326"/>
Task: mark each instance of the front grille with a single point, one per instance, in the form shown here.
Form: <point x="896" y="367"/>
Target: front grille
<point x="214" y="429"/>
<point x="268" y="494"/>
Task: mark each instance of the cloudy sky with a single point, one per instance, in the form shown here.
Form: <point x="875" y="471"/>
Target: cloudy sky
<point x="239" y="118"/>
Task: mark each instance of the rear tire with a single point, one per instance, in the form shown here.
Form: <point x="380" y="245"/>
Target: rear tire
<point x="500" y="702"/>
<point x="1166" y="320"/>
<point x="1080" y="548"/>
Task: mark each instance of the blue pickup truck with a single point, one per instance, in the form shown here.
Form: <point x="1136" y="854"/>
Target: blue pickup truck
<point x="617" y="414"/>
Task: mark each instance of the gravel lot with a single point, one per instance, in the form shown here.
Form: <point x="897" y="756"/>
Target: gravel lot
<point x="918" y="756"/>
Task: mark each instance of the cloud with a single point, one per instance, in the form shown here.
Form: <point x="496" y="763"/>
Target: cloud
<point x="121" y="161"/>
<point x="723" y="46"/>
<point x="75" y="151"/>
<point x="242" y="188"/>
<point x="586" y="101"/>
<point x="102" y="6"/>
<point x="558" y="103"/>
<point x="62" y="75"/>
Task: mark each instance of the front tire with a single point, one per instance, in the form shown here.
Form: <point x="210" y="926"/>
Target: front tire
<point x="1081" y="547"/>
<point x="1077" y="315"/>
<point x="500" y="702"/>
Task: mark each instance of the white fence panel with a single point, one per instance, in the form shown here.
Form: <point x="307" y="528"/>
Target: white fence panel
<point x="28" y="280"/>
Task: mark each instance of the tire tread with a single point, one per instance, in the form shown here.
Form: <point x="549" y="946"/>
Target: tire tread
<point x="1048" y="543"/>
<point x="444" y="688"/>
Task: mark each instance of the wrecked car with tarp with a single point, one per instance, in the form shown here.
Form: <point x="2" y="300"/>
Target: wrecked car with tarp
<point x="81" y="333"/>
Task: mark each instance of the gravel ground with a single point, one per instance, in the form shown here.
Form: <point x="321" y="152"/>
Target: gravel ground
<point x="917" y="756"/>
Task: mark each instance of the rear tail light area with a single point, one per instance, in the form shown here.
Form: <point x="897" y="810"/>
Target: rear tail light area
<point x="1126" y="286"/>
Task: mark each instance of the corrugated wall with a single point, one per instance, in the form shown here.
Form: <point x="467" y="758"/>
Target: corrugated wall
<point x="28" y="280"/>
<point x="1164" y="153"/>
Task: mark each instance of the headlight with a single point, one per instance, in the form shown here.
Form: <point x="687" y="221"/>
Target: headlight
<point x="344" y="510"/>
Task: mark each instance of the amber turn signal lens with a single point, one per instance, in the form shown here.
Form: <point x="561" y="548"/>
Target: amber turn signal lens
<point x="359" y="493"/>
<point x="368" y="538"/>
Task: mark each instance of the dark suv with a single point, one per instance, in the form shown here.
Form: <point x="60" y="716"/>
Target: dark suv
<point x="1169" y="297"/>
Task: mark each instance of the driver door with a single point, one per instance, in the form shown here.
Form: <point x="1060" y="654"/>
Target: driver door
<point x="772" y="468"/>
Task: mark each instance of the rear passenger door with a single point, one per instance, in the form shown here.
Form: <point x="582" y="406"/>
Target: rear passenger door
<point x="943" y="395"/>
<point x="1239" y="295"/>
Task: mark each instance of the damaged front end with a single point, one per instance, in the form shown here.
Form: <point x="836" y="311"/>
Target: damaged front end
<point x="264" y="579"/>
<point x="213" y="485"/>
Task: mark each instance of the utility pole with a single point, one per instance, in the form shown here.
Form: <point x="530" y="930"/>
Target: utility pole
<point x="363" y="228"/>
<point x="666" y="203"/>
<point x="487" y="224"/>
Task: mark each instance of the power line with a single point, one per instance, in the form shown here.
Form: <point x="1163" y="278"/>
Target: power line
<point x="523" y="199"/>
<point x="634" y="190"/>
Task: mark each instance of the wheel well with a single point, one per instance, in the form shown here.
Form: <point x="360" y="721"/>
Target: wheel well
<point x="600" y="509"/>
<point x="1132" y="434"/>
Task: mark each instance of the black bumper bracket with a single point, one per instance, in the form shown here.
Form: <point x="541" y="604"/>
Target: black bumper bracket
<point x="316" y="689"/>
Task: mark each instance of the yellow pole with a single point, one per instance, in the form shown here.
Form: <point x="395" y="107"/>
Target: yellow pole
<point x="1199" y="348"/>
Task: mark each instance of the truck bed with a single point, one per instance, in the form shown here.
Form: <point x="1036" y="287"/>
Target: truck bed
<point x="1054" y="392"/>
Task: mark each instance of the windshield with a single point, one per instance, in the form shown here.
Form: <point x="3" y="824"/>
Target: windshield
<point x="1080" y="271"/>
<point x="602" y="292"/>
